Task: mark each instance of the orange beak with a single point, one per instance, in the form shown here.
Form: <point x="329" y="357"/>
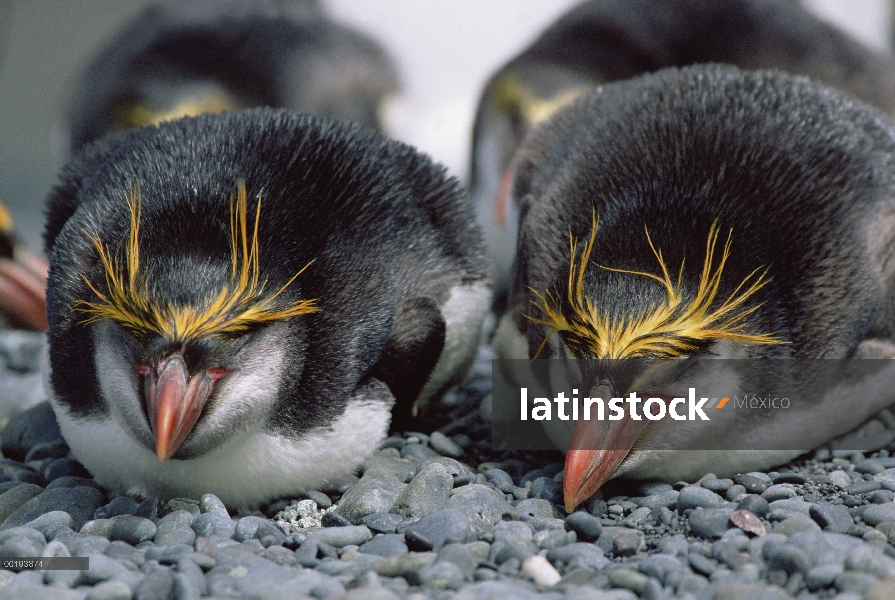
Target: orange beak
<point x="595" y="451"/>
<point x="174" y="401"/>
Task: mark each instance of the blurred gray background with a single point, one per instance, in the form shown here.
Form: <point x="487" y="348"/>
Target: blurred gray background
<point x="444" y="50"/>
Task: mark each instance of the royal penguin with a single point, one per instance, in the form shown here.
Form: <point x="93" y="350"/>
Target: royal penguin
<point x="601" y="41"/>
<point x="239" y="301"/>
<point x="710" y="212"/>
<point x="186" y="58"/>
<point x="23" y="276"/>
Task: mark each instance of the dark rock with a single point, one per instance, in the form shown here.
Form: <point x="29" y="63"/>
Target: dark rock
<point x="417" y="452"/>
<point x="780" y="491"/>
<point x="873" y="515"/>
<point x="79" y="502"/>
<point x="64" y="467"/>
<point x="500" y="479"/>
<point x="588" y="527"/>
<point x="627" y="543"/>
<point x="432" y="532"/>
<point x="753" y="484"/>
<point x="334" y="519"/>
<point x="755" y="504"/>
<point x="710" y="522"/>
<point x="209" y="524"/>
<point x="831" y="517"/>
<point x="133" y="530"/>
<point x="546" y="488"/>
<point x="694" y="496"/>
<point x="427" y="492"/>
<point x="157" y="585"/>
<point x="586" y="554"/>
<point x="322" y="500"/>
<point x="122" y="505"/>
<point x="343" y="536"/>
<point x="787" y="557"/>
<point x="483" y="507"/>
<point x="667" y="498"/>
<point x="383" y="522"/>
<point x="37" y="425"/>
<point x="387" y="545"/>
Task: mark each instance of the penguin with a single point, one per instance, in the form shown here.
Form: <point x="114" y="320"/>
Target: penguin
<point x="601" y="41"/>
<point x="703" y="212"/>
<point x="186" y="58"/>
<point x="237" y="301"/>
<point x="23" y="277"/>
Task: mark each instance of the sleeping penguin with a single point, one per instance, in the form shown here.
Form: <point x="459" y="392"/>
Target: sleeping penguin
<point x="187" y="58"/>
<point x="704" y="212"/>
<point x="237" y="301"/>
<point x="610" y="40"/>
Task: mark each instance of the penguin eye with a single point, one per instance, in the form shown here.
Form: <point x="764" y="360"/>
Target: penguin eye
<point x="143" y="370"/>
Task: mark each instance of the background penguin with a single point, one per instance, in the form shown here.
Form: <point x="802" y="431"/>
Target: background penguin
<point x="668" y="169"/>
<point x="609" y="40"/>
<point x="23" y="277"/>
<point x="237" y="300"/>
<point x="187" y="58"/>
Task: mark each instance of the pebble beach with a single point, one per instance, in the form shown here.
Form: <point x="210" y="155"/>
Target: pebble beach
<point x="437" y="513"/>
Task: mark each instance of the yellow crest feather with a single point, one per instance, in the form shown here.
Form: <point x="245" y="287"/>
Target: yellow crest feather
<point x="512" y="97"/>
<point x="665" y="330"/>
<point x="239" y="305"/>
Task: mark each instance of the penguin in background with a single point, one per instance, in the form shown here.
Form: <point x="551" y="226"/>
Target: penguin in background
<point x="601" y="41"/>
<point x="703" y="212"/>
<point x="186" y="58"/>
<point x="238" y="300"/>
<point x="23" y="277"/>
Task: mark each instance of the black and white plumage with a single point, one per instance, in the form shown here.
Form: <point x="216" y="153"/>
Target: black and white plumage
<point x="186" y="58"/>
<point x="665" y="170"/>
<point x="283" y="279"/>
<point x="601" y="41"/>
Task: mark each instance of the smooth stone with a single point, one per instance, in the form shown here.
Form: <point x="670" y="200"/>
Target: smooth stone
<point x="178" y="516"/>
<point x="822" y="576"/>
<point x="795" y="525"/>
<point x="546" y="488"/>
<point x="184" y="504"/>
<point x="513" y="532"/>
<point x="788" y="557"/>
<point x="372" y="494"/>
<point x="587" y="554"/>
<point x="461" y="472"/>
<point x="445" y="445"/>
<point x="343" y="536"/>
<point x="334" y="519"/>
<point x="171" y="532"/>
<point x="71" y="482"/>
<point x="426" y="493"/>
<point x="587" y="526"/>
<point x="156" y="585"/>
<point x="209" y="503"/>
<point x="606" y="541"/>
<point x="694" y="496"/>
<point x="780" y="491"/>
<point x="79" y="502"/>
<point x="536" y="508"/>
<point x="48" y="521"/>
<point x="462" y="557"/>
<point x="783" y="509"/>
<point x="483" y="507"/>
<point x="441" y="576"/>
<point x="407" y="566"/>
<point x="382" y="466"/>
<point x="668" y="498"/>
<point x="627" y="543"/>
<point x="734" y="492"/>
<point x="790" y="477"/>
<point x="755" y="504"/>
<point x="870" y="466"/>
<point x="122" y="505"/>
<point x="16" y="497"/>
<point x="709" y="522"/>
<point x="868" y="559"/>
<point x="831" y="517"/>
<point x="322" y="500"/>
<point x="29" y="428"/>
<point x="540" y="571"/>
<point x="382" y="522"/>
<point x="752" y="483"/>
<point x="102" y="568"/>
<point x="432" y="532"/>
<point x="19" y="547"/>
<point x="881" y="497"/>
<point x="863" y="487"/>
<point x="501" y="480"/>
<point x="840" y="479"/>
<point x="717" y="485"/>
<point x="386" y="545"/>
<point x="133" y="530"/>
<point x="855" y="582"/>
<point x="628" y="579"/>
<point x="111" y="590"/>
<point x="702" y="564"/>
<point x="213" y="524"/>
<point x="64" y="467"/>
<point x="417" y="452"/>
<point x="878" y="513"/>
<point x="101" y="527"/>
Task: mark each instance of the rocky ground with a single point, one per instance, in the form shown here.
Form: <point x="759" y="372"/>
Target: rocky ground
<point x="439" y="514"/>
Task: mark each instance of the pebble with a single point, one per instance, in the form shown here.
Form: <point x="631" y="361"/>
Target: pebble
<point x="588" y="555"/>
<point x="432" y="532"/>
<point x="780" y="491"/>
<point x="541" y="571"/>
<point x="79" y="502"/>
<point x="343" y="536"/>
<point x="445" y="445"/>
<point x="753" y="484"/>
<point x="213" y="524"/>
<point x="483" y="507"/>
<point x="747" y="521"/>
<point x="427" y="492"/>
<point x="831" y="517"/>
<point x="386" y="545"/>
<point x="840" y="479"/>
<point x="878" y="513"/>
<point x="370" y="495"/>
<point x="667" y="498"/>
<point x="587" y="526"/>
<point x="383" y="522"/>
<point x="133" y="530"/>
<point x="709" y="522"/>
<point x="694" y="496"/>
<point x="794" y="525"/>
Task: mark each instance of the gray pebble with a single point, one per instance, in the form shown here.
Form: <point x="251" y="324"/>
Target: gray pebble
<point x="432" y="532"/>
<point x="383" y="466"/>
<point x="881" y="497"/>
<point x="483" y="507"/>
<point x="79" y="502"/>
<point x="157" y="585"/>
<point x="795" y="525"/>
<point x="663" y="567"/>
<point x="101" y="527"/>
<point x="417" y="452"/>
<point x="370" y="495"/>
<point x="386" y="545"/>
<point x="878" y="513"/>
<point x="734" y="492"/>
<point x="536" y="508"/>
<point x="855" y="582"/>
<point x="16" y="497"/>
<point x="382" y="522"/>
<point x="209" y="524"/>
<point x="694" y="496"/>
<point x="840" y="479"/>
<point x="441" y="575"/>
<point x="500" y="479"/>
<point x="753" y="483"/>
<point x="133" y="530"/>
<point x="102" y="568"/>
<point x="322" y="500"/>
<point x="588" y="555"/>
<point x="787" y="557"/>
<point x="822" y="576"/>
<point x="755" y="504"/>
<point x="667" y="498"/>
<point x="780" y="491"/>
<point x="445" y="445"/>
<point x="426" y="493"/>
<point x="122" y="505"/>
<point x="343" y="536"/>
<point x="587" y="526"/>
<point x="110" y="590"/>
<point x="50" y="520"/>
<point x="863" y="487"/>
<point x="702" y="564"/>
<point x="171" y="532"/>
<point x="545" y="488"/>
<point x="717" y="485"/>
<point x="513" y="532"/>
<point x="627" y="543"/>
<point x="628" y="579"/>
<point x="461" y="556"/>
<point x="831" y="517"/>
<point x="212" y="504"/>
<point x="184" y="504"/>
<point x="63" y="467"/>
<point x="178" y="516"/>
<point x="710" y="522"/>
<point x="869" y="466"/>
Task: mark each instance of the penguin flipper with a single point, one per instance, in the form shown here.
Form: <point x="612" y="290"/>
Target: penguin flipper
<point x="410" y="355"/>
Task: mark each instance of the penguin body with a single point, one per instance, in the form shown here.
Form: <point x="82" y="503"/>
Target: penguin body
<point x="601" y="41"/>
<point x="236" y="301"/>
<point x="200" y="56"/>
<point x="705" y="211"/>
